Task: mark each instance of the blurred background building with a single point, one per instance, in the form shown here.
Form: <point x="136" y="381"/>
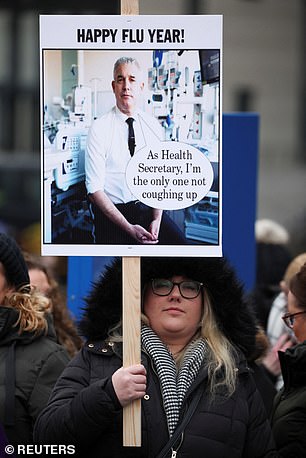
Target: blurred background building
<point x="263" y="72"/>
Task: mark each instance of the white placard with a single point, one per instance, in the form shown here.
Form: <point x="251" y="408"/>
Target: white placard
<point x="179" y="173"/>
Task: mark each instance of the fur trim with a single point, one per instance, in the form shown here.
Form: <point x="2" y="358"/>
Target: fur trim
<point x="104" y="304"/>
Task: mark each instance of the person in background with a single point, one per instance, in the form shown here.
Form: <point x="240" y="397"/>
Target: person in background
<point x="276" y="327"/>
<point x="30" y="358"/>
<point x="65" y="328"/>
<point x="272" y="259"/>
<point x="262" y="379"/>
<point x="279" y="335"/>
<point x="197" y="391"/>
<point x="289" y="411"/>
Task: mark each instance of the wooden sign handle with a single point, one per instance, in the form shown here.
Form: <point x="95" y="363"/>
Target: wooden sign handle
<point x="131" y="311"/>
<point x="131" y="344"/>
<point x="129" y="7"/>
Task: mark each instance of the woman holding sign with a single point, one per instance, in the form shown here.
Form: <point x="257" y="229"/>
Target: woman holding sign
<point x="198" y="395"/>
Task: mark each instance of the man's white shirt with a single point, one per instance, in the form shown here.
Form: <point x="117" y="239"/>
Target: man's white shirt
<point x="108" y="155"/>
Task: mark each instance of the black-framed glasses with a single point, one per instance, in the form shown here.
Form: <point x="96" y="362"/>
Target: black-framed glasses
<point x="189" y="289"/>
<point x="289" y="318"/>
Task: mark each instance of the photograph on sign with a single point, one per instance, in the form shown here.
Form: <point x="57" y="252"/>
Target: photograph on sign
<point x="131" y="137"/>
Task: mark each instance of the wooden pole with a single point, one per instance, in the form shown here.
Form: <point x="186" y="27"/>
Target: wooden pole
<point x="131" y="344"/>
<point x="129" y="7"/>
<point x="131" y="312"/>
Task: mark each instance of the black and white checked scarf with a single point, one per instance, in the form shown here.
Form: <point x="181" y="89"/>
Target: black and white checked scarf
<point x="174" y="384"/>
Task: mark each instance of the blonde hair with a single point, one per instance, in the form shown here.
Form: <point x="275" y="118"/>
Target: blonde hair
<point x="221" y="360"/>
<point x="294" y="267"/>
<point x="32" y="307"/>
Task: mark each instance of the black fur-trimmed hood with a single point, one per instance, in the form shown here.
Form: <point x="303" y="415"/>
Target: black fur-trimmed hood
<point x="104" y="303"/>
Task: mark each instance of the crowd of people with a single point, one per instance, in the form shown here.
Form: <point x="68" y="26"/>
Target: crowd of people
<point x="213" y="377"/>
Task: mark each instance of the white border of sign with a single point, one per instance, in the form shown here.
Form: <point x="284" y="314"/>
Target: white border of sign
<point x="60" y="32"/>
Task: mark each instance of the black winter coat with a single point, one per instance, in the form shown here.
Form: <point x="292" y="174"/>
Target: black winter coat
<point x="289" y="410"/>
<point x="84" y="410"/>
<point x="29" y="367"/>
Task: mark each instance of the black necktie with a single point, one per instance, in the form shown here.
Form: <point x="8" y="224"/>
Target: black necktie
<point x="131" y="140"/>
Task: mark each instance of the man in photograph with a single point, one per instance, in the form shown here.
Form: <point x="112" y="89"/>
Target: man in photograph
<point x="118" y="218"/>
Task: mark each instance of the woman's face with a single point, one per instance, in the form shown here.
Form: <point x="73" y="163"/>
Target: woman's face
<point x="4" y="287"/>
<point x="173" y="317"/>
<point x="299" y="323"/>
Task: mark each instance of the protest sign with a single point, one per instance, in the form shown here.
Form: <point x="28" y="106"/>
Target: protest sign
<point x="175" y="172"/>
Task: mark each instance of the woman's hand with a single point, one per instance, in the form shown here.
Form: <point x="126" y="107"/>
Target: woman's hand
<point x="271" y="360"/>
<point x="130" y="383"/>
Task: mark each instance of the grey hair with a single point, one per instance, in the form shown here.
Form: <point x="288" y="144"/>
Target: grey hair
<point x="124" y="61"/>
